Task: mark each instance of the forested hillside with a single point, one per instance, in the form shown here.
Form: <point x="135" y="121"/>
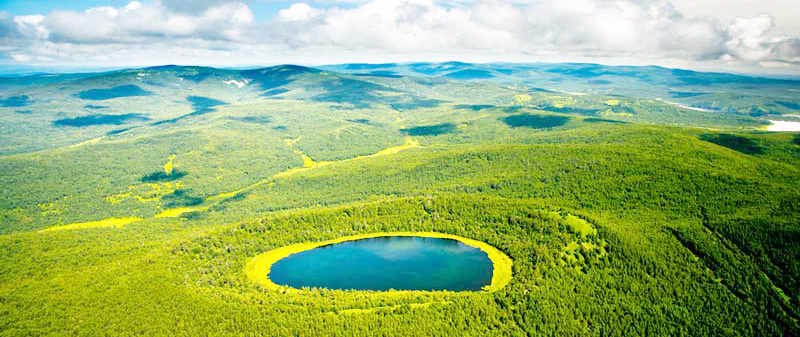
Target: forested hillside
<point x="132" y="200"/>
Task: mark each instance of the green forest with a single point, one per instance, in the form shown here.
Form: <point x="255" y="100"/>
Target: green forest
<point x="132" y="207"/>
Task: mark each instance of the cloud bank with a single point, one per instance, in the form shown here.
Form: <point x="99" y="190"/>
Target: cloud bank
<point x="168" y="31"/>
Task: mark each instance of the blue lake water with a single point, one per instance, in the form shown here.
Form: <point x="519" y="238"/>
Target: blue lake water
<point x="389" y="262"/>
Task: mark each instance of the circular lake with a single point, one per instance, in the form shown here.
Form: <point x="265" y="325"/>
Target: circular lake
<point x="387" y="262"/>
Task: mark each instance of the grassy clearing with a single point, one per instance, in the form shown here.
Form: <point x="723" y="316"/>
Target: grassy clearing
<point x="580" y="226"/>
<point x="176" y="212"/>
<point x="168" y="166"/>
<point x="105" y="223"/>
<point x="146" y="192"/>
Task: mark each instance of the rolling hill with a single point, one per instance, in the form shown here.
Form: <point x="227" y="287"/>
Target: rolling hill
<point x="632" y="200"/>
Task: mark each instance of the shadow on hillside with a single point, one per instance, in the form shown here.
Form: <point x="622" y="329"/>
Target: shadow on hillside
<point x="115" y="92"/>
<point x="473" y="107"/>
<point x="535" y="121"/>
<point x="602" y="120"/>
<point x="100" y="119"/>
<point x="789" y="105"/>
<point x="274" y="92"/>
<point x="737" y="143"/>
<point x="16" y="101"/>
<point x="384" y="73"/>
<point x="430" y="130"/>
<point x="161" y="176"/>
<point x="201" y="105"/>
<point x="685" y="94"/>
<point x="359" y="121"/>
<point x="470" y="74"/>
<point x="180" y="198"/>
<point x="252" y="119"/>
<point x="568" y="110"/>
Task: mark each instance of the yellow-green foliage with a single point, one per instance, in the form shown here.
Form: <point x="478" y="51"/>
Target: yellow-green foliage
<point x="87" y="142"/>
<point x="154" y="191"/>
<point x="574" y="253"/>
<point x="168" y="166"/>
<point x="176" y="212"/>
<point x="257" y="269"/>
<point x="158" y="190"/>
<point x="110" y="222"/>
<point x="309" y="164"/>
<point x="612" y="102"/>
<point x="389" y="308"/>
<point x="54" y="207"/>
<point x="675" y="211"/>
<point x="227" y="195"/>
<point x="146" y="192"/>
<point x="522" y="98"/>
<point x="610" y="113"/>
<point x="569" y="253"/>
<point x="580" y="226"/>
<point x="410" y="142"/>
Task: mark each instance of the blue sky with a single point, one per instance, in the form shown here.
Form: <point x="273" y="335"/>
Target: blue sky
<point x="729" y="35"/>
<point x="44" y="6"/>
<point x="262" y="10"/>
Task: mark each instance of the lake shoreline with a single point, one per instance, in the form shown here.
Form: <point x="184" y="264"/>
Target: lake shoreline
<point x="257" y="268"/>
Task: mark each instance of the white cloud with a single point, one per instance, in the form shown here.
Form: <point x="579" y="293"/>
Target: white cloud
<point x="29" y="19"/>
<point x="586" y="27"/>
<point x="613" y="29"/>
<point x="396" y="26"/>
<point x="133" y="5"/>
<point x="298" y="12"/>
<point x="746" y="37"/>
<point x="748" y="40"/>
<point x="20" y="57"/>
<point x="142" y="23"/>
<point x="625" y="27"/>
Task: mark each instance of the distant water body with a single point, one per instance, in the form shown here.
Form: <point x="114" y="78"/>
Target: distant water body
<point x="784" y="126"/>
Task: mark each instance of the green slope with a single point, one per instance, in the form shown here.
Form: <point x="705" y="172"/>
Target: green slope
<point x="632" y="228"/>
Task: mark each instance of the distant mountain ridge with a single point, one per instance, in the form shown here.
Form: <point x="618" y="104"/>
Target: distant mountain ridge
<point x="117" y="102"/>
